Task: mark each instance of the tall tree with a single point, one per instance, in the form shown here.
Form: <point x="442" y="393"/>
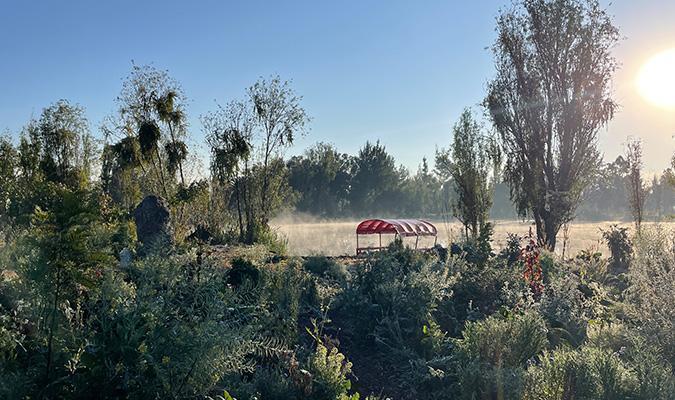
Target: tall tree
<point x="248" y="140"/>
<point x="470" y="165"/>
<point x="322" y="176"/>
<point x="229" y="136"/>
<point x="637" y="191"/>
<point x="67" y="149"/>
<point x="279" y="118"/>
<point x="146" y="138"/>
<point x="550" y="97"/>
<point x="9" y="162"/>
<point x="374" y="179"/>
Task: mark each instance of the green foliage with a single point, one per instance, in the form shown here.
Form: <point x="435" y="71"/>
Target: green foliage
<point x="8" y="170"/>
<point x="147" y="145"/>
<point x="620" y="248"/>
<point x="493" y="354"/>
<point x="324" y="266"/>
<point x="322" y="176"/>
<point x="550" y="150"/>
<point x="330" y="370"/>
<point x="374" y="180"/>
<point x="470" y="164"/>
<point x="247" y="140"/>
<point x="67" y="148"/>
<point x="651" y="290"/>
<point x="481" y="290"/>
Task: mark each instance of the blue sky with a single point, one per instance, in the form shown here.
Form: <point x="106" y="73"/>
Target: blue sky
<point x="398" y="71"/>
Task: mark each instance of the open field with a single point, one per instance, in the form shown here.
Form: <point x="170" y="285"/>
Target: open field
<point x="334" y="238"/>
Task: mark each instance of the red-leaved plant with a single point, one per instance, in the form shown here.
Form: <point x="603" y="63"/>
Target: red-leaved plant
<point x="532" y="271"/>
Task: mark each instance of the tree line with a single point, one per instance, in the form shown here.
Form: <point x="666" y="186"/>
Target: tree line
<point x="90" y="302"/>
<point x="537" y="158"/>
<point x="145" y="150"/>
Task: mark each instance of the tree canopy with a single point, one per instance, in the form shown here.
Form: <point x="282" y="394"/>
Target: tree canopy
<point x="550" y="96"/>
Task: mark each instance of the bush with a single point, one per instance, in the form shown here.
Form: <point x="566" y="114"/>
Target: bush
<point x="566" y="374"/>
<point x="493" y="355"/>
<point x="397" y="293"/>
<point x="479" y="291"/>
<point x="620" y="248"/>
<point x="330" y="370"/>
<point x="324" y="266"/>
<point x="652" y="289"/>
<point x="567" y="309"/>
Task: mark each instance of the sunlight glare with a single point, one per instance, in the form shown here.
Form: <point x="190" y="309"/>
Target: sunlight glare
<point x="656" y="80"/>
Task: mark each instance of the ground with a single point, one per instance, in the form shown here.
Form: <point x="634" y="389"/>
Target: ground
<point x="335" y="238"/>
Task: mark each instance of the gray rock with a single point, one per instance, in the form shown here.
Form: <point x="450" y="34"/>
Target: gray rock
<point x="153" y="224"/>
<point x="125" y="258"/>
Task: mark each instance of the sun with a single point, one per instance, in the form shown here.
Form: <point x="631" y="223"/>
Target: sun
<point x="656" y="80"/>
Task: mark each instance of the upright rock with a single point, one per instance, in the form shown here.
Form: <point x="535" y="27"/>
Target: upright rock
<point x="153" y="224"/>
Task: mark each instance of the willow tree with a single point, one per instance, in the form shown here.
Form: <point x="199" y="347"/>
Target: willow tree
<point x="550" y="96"/>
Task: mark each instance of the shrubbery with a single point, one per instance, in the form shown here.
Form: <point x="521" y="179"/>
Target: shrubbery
<point x="80" y="312"/>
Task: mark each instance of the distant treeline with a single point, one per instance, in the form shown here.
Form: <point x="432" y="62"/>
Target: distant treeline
<point x="336" y="185"/>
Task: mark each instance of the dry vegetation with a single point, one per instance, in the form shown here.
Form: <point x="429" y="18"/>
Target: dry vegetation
<point x="308" y="236"/>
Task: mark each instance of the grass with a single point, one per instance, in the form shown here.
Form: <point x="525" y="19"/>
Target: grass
<point x="335" y="238"/>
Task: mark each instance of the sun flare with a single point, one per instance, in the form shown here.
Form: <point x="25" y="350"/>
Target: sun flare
<point x="656" y="80"/>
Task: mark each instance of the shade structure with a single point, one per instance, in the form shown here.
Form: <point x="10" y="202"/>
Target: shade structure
<point x="399" y="227"/>
<point x="403" y="227"/>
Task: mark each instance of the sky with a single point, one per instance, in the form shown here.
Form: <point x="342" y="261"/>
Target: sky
<point x="396" y="71"/>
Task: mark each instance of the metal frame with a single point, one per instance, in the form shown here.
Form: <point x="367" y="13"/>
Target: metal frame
<point x="402" y="228"/>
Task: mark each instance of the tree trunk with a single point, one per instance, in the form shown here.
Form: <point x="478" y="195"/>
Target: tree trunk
<point x="547" y="230"/>
<point x="241" y="223"/>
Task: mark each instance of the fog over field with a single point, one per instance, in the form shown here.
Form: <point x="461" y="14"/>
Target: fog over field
<point x="307" y="235"/>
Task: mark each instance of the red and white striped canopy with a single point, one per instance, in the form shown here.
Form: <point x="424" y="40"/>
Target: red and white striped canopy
<point x="404" y="227"/>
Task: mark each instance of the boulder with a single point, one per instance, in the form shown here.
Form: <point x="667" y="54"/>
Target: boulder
<point x="153" y="223"/>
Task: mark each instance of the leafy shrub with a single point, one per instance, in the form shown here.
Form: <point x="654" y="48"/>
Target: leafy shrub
<point x="397" y="294"/>
<point x="273" y="240"/>
<point x="479" y="291"/>
<point x="398" y="290"/>
<point x="620" y="248"/>
<point x="243" y="272"/>
<point x="493" y="354"/>
<point x="324" y="266"/>
<point x="330" y="370"/>
<point x="567" y="309"/>
<point x="652" y="288"/>
<point x="476" y="251"/>
<point x="511" y="251"/>
<point x="586" y="374"/>
<point x="590" y="266"/>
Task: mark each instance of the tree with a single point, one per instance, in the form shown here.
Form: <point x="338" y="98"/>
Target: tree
<point x="279" y="118"/>
<point x="469" y="163"/>
<point x="375" y="178"/>
<point x="549" y="98"/>
<point x="9" y="161"/>
<point x="66" y="148"/>
<point x="322" y="176"/>
<point x="229" y="136"/>
<point x="637" y="191"/>
<point x="248" y="140"/>
<point x="605" y="197"/>
<point x="146" y="138"/>
<point x="424" y="192"/>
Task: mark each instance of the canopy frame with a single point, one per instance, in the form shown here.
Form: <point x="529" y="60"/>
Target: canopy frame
<point x="397" y="227"/>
